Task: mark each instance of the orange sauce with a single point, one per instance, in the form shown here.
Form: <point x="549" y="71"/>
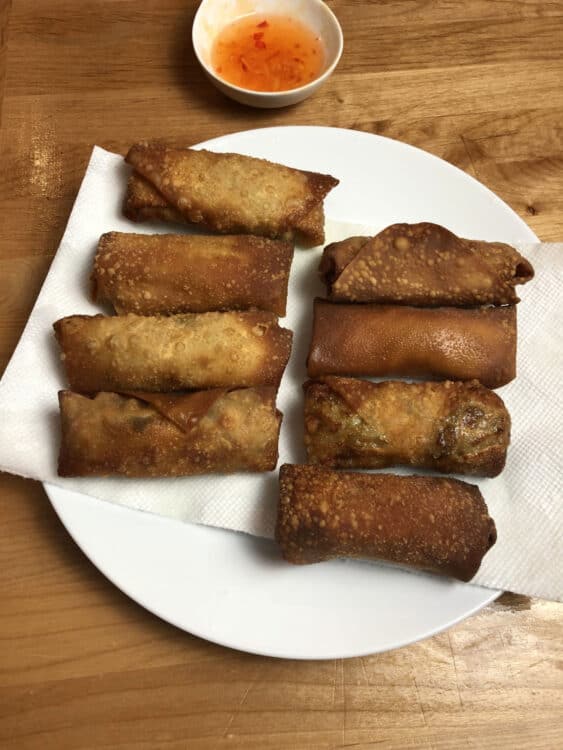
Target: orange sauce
<point x="267" y="53"/>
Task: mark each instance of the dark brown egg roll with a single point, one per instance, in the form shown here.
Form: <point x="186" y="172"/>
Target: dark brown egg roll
<point x="168" y="434"/>
<point x="442" y="342"/>
<point x="425" y="265"/>
<point x="152" y="274"/>
<point x="180" y="352"/>
<point x="459" y="427"/>
<point x="435" y="524"/>
<point x="230" y="193"/>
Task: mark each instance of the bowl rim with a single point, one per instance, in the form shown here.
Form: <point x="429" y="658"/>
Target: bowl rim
<point x="284" y="92"/>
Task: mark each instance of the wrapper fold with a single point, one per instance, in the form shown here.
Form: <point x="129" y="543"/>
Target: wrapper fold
<point x="168" y="434"/>
<point x="423" y="264"/>
<point x="457" y="427"/>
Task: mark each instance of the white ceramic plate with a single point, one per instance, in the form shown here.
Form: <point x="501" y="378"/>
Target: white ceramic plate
<point x="234" y="589"/>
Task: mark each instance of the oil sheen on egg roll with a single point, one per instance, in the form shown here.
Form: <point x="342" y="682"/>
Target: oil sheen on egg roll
<point x="180" y="352"/>
<point x="441" y="342"/>
<point x="459" y="427"/>
<point x="231" y="193"/>
<point x="151" y="274"/>
<point x="168" y="434"/>
<point x="435" y="524"/>
<point x="423" y="264"/>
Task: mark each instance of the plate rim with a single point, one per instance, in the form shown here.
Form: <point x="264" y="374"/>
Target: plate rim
<point x="224" y="642"/>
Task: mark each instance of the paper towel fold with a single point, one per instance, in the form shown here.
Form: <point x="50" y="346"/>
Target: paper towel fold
<point x="526" y="501"/>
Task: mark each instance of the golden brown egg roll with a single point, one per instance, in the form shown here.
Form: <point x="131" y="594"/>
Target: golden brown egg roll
<point x="174" y="273"/>
<point x="441" y="342"/>
<point x="232" y="193"/>
<point x="143" y="202"/>
<point x="435" y="524"/>
<point x="423" y="264"/>
<point x="458" y="427"/>
<point x="168" y="434"/>
<point x="180" y="352"/>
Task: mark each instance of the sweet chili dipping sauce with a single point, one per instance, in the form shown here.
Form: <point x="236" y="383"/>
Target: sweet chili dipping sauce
<point x="273" y="53"/>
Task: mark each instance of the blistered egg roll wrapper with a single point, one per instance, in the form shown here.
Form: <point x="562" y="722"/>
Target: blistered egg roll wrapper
<point x="423" y="264"/>
<point x="143" y="202"/>
<point x="435" y="524"/>
<point x="452" y="427"/>
<point x="442" y="342"/>
<point x="230" y="193"/>
<point x="170" y="273"/>
<point x="168" y="434"/>
<point x="181" y="352"/>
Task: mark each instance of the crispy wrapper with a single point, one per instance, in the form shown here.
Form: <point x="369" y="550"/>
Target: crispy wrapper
<point x="180" y="352"/>
<point x="435" y="524"/>
<point x="174" y="273"/>
<point x="168" y="434"/>
<point x="422" y="264"/>
<point x="458" y="427"/>
<point x="143" y="202"/>
<point x="230" y="193"/>
<point x="442" y="342"/>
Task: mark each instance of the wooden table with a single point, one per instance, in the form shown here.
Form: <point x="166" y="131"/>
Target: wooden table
<point x="479" y="83"/>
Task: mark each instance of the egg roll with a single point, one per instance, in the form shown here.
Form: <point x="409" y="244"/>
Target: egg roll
<point x="231" y="193"/>
<point x="458" y="427"/>
<point x="441" y="342"/>
<point x="181" y="352"/>
<point x="174" y="273"/>
<point x="431" y="523"/>
<point x="168" y="434"/>
<point x="143" y="202"/>
<point x="423" y="264"/>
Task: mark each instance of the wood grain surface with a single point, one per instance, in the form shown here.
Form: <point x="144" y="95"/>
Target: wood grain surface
<point x="477" y="82"/>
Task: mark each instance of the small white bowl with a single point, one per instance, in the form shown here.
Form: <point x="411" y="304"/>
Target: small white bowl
<point x="213" y="15"/>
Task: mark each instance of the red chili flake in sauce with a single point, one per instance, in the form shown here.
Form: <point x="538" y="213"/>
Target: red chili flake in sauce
<point x="277" y="54"/>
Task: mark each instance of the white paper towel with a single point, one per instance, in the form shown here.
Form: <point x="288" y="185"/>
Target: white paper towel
<point x="526" y="501"/>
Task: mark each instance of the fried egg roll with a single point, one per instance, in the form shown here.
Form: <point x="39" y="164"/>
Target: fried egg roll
<point x="230" y="193"/>
<point x="180" y="352"/>
<point x="173" y="273"/>
<point x="168" y="434"/>
<point x="143" y="202"/>
<point x="442" y="342"/>
<point x="435" y="524"/>
<point x="423" y="264"/>
<point x="459" y="427"/>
